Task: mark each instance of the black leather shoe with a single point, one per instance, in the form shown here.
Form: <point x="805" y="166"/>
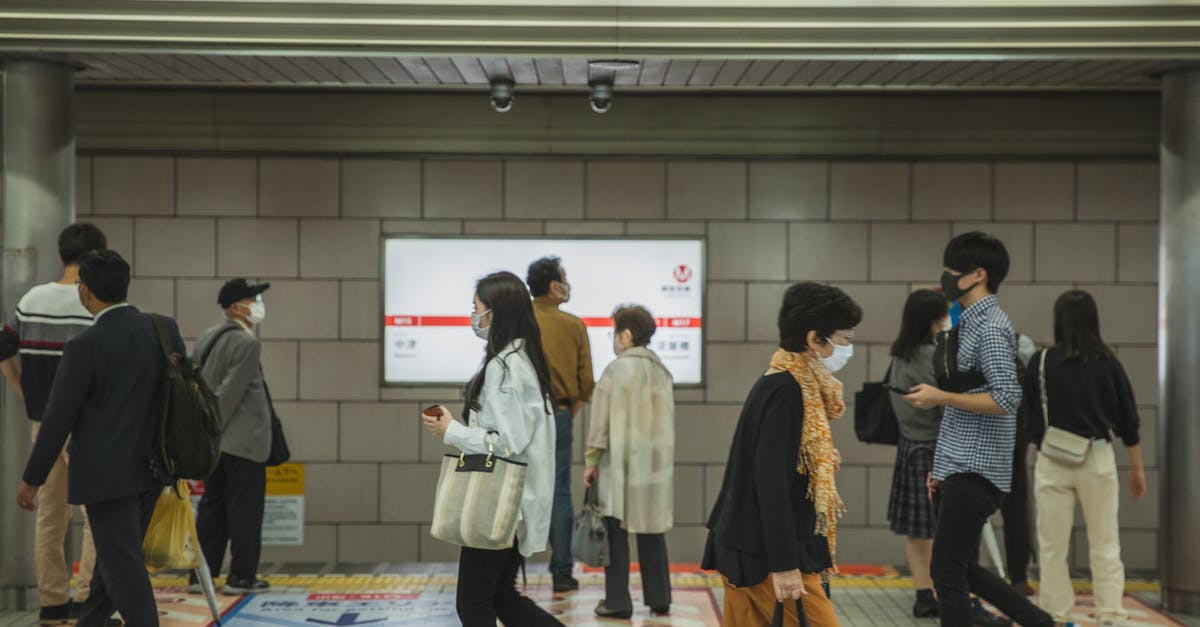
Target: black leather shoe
<point x="604" y="612"/>
<point x="926" y="605"/>
<point x="235" y="586"/>
<point x="660" y="611"/>
<point x="565" y="583"/>
<point x="56" y="614"/>
<point x="980" y="617"/>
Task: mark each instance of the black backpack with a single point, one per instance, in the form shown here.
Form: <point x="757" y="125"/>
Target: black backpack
<point x="187" y="429"/>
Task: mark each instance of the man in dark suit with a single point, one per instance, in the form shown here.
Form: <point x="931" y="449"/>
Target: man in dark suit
<point x="103" y="399"/>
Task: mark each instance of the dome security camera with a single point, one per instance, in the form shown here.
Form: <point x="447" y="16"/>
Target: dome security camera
<point x="502" y="94"/>
<point x="601" y="97"/>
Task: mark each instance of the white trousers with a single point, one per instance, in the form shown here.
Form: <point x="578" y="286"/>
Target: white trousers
<point x="1095" y="484"/>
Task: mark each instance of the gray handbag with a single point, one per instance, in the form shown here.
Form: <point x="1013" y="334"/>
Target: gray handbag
<point x="478" y="500"/>
<point x="589" y="543"/>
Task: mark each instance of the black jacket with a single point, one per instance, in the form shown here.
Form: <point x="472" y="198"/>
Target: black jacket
<point x="103" y="398"/>
<point x="762" y="521"/>
<point x="1089" y="398"/>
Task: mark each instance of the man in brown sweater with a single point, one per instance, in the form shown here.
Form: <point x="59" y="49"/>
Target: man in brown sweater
<point x="564" y="339"/>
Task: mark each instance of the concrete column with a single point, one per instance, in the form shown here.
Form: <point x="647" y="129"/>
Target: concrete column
<point x="38" y="201"/>
<point x="1179" y="343"/>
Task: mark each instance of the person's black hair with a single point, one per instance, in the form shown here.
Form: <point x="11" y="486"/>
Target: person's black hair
<point x="971" y="251"/>
<point x="542" y="273"/>
<point x="106" y="275"/>
<point x="1077" y="327"/>
<point x="814" y="307"/>
<point x="637" y="320"/>
<point x="79" y="239"/>
<point x="921" y="310"/>
<point x="512" y="319"/>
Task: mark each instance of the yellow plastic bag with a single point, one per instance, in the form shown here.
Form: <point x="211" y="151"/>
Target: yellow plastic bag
<point x="171" y="540"/>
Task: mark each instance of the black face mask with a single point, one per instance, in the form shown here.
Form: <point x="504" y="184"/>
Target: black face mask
<point x="950" y="286"/>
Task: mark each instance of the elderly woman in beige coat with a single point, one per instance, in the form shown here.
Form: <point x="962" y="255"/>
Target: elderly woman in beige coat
<point x="631" y="457"/>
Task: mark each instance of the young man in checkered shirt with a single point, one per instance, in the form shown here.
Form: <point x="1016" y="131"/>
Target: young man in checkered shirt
<point x="972" y="466"/>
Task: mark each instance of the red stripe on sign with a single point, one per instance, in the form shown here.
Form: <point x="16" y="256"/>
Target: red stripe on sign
<point x="369" y="596"/>
<point x="465" y="321"/>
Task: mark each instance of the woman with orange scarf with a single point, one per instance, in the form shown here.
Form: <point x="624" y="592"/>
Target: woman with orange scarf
<point x="773" y="530"/>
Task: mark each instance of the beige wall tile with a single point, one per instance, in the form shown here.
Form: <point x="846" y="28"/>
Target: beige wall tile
<point x="1141" y="365"/>
<point x="258" y="248"/>
<point x="543" y="189"/>
<point x="689" y="495"/>
<point x="381" y="188"/>
<point x="879" y="491"/>
<point x="1031" y="309"/>
<point x="1035" y="190"/>
<point x="422" y="227"/>
<point x="882" y="305"/>
<point x="823" y="251"/>
<point x="910" y="252"/>
<point x="703" y="432"/>
<point x="421" y="393"/>
<point x="1017" y="238"/>
<point x="706" y="189"/>
<point x="281" y="368"/>
<point x="504" y="227"/>
<point x="463" y="189"/>
<point x="118" y="232"/>
<point x="384" y="432"/>
<point x="952" y="191"/>
<point x="339" y="371"/>
<point x="747" y="251"/>
<point x="1137" y="253"/>
<point x="636" y="228"/>
<point x="732" y="370"/>
<point x="869" y="190"/>
<point x="714" y="474"/>
<point x="153" y="295"/>
<point x="343" y="249"/>
<point x="1141" y="514"/>
<point x="1123" y="190"/>
<point x="341" y="493"/>
<point x="360" y="310"/>
<point x="554" y="227"/>
<point x="133" y="185"/>
<point x="685" y="543"/>
<point x="762" y="311"/>
<point x="789" y="190"/>
<point x="83" y="185"/>
<point x="372" y="544"/>
<point x="408" y="491"/>
<point x="1128" y="314"/>
<point x="631" y="190"/>
<point x="301" y="310"/>
<point x="311" y="429"/>
<point x="320" y="547"/>
<point x="298" y="187"/>
<point x="726" y="312"/>
<point x="858" y="545"/>
<point x="165" y="247"/>
<point x="853" y="451"/>
<point x="852" y="486"/>
<point x="1076" y="252"/>
<point x="217" y="186"/>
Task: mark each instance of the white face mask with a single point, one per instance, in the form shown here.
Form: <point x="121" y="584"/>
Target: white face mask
<point x="481" y="332"/>
<point x="258" y="312"/>
<point x="841" y="355"/>
<point x="948" y="324"/>
<point x="565" y="291"/>
<point x="618" y="347"/>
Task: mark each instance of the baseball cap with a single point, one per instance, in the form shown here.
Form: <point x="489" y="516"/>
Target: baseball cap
<point x="239" y="289"/>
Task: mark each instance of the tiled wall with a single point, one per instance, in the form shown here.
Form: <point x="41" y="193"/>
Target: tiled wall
<point x="876" y="228"/>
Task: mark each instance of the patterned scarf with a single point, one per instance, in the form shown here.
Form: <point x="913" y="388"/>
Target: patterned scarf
<point x="822" y="402"/>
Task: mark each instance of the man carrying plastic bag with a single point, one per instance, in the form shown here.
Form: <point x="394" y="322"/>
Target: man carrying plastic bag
<point x="171" y="541"/>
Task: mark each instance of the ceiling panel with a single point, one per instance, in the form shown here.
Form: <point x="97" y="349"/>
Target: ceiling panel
<point x="445" y="70"/>
<point x="394" y="71"/>
<point x="549" y="71"/>
<point x="679" y="73"/>
<point x="732" y="72"/>
<point x="654" y="71"/>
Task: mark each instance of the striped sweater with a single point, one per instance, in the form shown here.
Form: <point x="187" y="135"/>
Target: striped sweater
<point x="47" y="317"/>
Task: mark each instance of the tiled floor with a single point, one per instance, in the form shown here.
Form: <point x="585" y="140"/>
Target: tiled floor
<point x="390" y="595"/>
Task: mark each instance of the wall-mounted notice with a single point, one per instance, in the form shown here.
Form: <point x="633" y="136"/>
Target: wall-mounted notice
<point x="429" y="284"/>
<point x="283" y="514"/>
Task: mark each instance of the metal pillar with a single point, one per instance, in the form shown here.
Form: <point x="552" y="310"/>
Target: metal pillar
<point x="38" y="201"/>
<point x="1179" y="342"/>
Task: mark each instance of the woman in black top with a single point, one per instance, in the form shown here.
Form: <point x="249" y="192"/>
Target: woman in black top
<point x="1088" y="394"/>
<point x="772" y="531"/>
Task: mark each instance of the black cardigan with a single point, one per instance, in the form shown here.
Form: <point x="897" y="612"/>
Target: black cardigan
<point x="1088" y="398"/>
<point x="762" y="521"/>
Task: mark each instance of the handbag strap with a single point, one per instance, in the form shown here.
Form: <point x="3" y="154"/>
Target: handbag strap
<point x="777" y="621"/>
<point x="1042" y="387"/>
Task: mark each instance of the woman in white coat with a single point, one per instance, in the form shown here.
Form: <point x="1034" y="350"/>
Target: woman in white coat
<point x="631" y="457"/>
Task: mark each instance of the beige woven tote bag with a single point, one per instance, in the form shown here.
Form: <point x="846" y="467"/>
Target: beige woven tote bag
<point x="478" y="500"/>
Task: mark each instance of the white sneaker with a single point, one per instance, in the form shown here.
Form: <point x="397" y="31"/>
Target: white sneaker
<point x="195" y="588"/>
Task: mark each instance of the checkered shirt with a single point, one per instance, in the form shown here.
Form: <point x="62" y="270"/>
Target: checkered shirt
<point x="978" y="443"/>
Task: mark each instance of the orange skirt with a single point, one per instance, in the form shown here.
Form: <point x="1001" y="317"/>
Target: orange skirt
<point x="754" y="606"/>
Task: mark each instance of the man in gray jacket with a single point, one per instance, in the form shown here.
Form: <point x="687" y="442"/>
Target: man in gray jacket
<point x="231" y="510"/>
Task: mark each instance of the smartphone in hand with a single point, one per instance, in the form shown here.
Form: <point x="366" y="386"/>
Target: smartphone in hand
<point x="433" y="411"/>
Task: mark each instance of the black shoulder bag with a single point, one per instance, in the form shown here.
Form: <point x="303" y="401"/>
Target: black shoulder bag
<point x="874" y="419"/>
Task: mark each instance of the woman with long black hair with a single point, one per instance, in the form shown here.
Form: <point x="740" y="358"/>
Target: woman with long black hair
<point x="511" y="398"/>
<point x="1089" y="398"/>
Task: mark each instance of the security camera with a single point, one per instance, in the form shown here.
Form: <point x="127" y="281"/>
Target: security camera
<point x="502" y="94"/>
<point x="602" y="94"/>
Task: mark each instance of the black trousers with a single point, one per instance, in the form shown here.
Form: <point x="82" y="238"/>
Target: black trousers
<point x="1015" y="510"/>
<point x="487" y="590"/>
<point x="965" y="503"/>
<point x="655" y="567"/>
<point x="231" y="512"/>
<point x="120" y="581"/>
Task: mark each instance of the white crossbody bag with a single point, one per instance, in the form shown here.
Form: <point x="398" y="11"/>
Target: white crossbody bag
<point x="1062" y="446"/>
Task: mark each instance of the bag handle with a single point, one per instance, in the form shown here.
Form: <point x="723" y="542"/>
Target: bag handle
<point x="212" y="345"/>
<point x="778" y="619"/>
<point x="160" y="328"/>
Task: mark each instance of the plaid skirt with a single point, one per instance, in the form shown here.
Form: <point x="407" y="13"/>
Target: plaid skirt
<point x="909" y="509"/>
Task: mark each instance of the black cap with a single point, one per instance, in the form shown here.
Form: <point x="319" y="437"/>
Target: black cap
<point x="239" y="289"/>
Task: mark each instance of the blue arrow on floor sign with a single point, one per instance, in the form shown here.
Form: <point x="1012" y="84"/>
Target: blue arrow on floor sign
<point x="345" y="620"/>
